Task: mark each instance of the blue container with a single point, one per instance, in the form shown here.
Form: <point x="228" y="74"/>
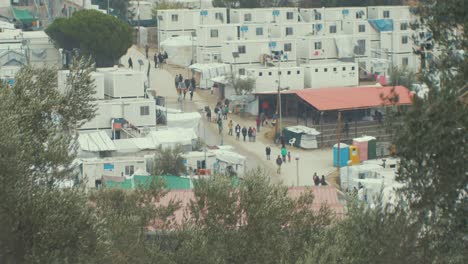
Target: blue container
<point x="344" y="155"/>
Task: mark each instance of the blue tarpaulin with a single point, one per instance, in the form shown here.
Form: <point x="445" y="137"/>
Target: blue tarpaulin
<point x="382" y="25"/>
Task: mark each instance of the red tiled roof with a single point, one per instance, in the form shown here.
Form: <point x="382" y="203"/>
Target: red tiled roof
<point x="346" y="98"/>
<point x="323" y="195"/>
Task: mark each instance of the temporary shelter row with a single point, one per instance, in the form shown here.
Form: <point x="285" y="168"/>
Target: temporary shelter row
<point x="266" y="79"/>
<point x="205" y="72"/>
<point x="301" y="136"/>
<point x="337" y="74"/>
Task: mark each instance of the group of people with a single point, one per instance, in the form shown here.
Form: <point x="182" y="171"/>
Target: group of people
<point x="281" y="158"/>
<point x="183" y="86"/>
<point x="251" y="132"/>
<point x="221" y="111"/>
<point x="159" y="59"/>
<point x="318" y="181"/>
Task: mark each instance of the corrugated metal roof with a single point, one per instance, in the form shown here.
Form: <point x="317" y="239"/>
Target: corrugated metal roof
<point x="96" y="141"/>
<point x="346" y="98"/>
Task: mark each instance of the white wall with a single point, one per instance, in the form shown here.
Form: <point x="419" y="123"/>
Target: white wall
<point x="396" y="12"/>
<point x="322" y="75"/>
<point x="189" y="19"/>
<point x="122" y="82"/>
<point x="93" y="169"/>
<point x="163" y="35"/>
<point x="306" y="48"/>
<point x="298" y="30"/>
<point x="398" y="60"/>
<point x="345" y="13"/>
<point x="208" y="54"/>
<point x="225" y="32"/>
<point x="5" y="3"/>
<point x="393" y="42"/>
<point x="264" y="15"/>
<point x="96" y="77"/>
<point x="352" y="27"/>
<point x="254" y="50"/>
<point x="266" y="78"/>
<point x="124" y="108"/>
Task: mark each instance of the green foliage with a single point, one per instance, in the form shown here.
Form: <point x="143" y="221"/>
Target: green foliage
<point x="169" y="161"/>
<point x="101" y="36"/>
<point x="118" y="7"/>
<point x="164" y="5"/>
<point x="241" y="86"/>
<point x="383" y="234"/>
<point x="402" y="76"/>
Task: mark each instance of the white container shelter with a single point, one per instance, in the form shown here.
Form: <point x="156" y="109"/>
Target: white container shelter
<point x="337" y="74"/>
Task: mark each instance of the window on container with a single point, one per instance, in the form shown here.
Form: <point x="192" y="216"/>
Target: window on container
<point x="287" y="47"/>
<point x="359" y="14"/>
<point x="333" y="29"/>
<point x="279" y="72"/>
<point x="129" y="170"/>
<point x="404" y="40"/>
<point x="175" y="18"/>
<point x="325" y="69"/>
<point x="334" y="69"/>
<point x="298" y="72"/>
<point x="289" y="31"/>
<point x="247" y="17"/>
<point x="289" y="72"/>
<point x="386" y="14"/>
<point x="289" y="15"/>
<point x="241" y="71"/>
<point x="259" y="31"/>
<point x="316" y="70"/>
<point x="344" y="68"/>
<point x="219" y="16"/>
<point x="405" y="61"/>
<point x="241" y="49"/>
<point x="269" y="73"/>
<point x="144" y="110"/>
<point x="362" y="28"/>
<point x="214" y="33"/>
<point x="360" y="48"/>
<point x="318" y="16"/>
<point x="260" y="74"/>
<point x="352" y="68"/>
<point x="403" y="26"/>
<point x="318" y="45"/>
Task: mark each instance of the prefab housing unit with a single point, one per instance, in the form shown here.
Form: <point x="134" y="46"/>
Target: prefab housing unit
<point x="97" y="77"/>
<point x="264" y="15"/>
<point x="357" y="27"/>
<point x="163" y="35"/>
<point x="338" y="74"/>
<point x="345" y="13"/>
<point x="266" y="79"/>
<point x="139" y="112"/>
<point x="215" y="35"/>
<point x="94" y="169"/>
<point x="189" y="19"/>
<point x="123" y="83"/>
<point x="291" y="30"/>
<point x="396" y="42"/>
<point x="251" y="51"/>
<point x="391" y="12"/>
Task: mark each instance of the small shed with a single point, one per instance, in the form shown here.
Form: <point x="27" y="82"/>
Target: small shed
<point x="305" y="137"/>
<point x="344" y="155"/>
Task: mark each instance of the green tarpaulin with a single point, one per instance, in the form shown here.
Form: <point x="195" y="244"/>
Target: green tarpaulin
<point x="24" y="16"/>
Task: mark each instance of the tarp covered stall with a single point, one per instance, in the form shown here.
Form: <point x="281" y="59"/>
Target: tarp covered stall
<point x="382" y="25"/>
<point x="95" y="141"/>
<point x="183" y="120"/>
<point x="306" y="137"/>
<point x="230" y="162"/>
<point x="205" y="72"/>
<point x="344" y="155"/>
<point x="354" y="155"/>
<point x="180" y="50"/>
<point x="186" y="137"/>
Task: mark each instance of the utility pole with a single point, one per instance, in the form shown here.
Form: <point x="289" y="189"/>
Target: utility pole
<point x="278" y="104"/>
<point x="138" y="34"/>
<point x="339" y="139"/>
<point x="297" y="170"/>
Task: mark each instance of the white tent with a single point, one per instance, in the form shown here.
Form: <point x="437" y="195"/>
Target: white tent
<point x="208" y="71"/>
<point x="95" y="141"/>
<point x="179" y="50"/>
<point x="173" y="137"/>
<point x="225" y="159"/>
<point x="183" y="120"/>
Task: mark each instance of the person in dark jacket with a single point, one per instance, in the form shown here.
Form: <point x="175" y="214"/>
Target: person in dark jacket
<point x="187" y="83"/>
<point x="279" y="162"/>
<point x="268" y="152"/>
<point x="316" y="179"/>
<point x="322" y="181"/>
<point x="249" y="133"/>
<point x="238" y="131"/>
<point x="155" y="58"/>
<point x="193" y="83"/>
<point x="130" y="63"/>
<point x="244" y="132"/>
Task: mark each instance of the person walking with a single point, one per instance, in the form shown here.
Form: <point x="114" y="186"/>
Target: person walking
<point x="254" y="134"/>
<point x="176" y="81"/>
<point x="316" y="179"/>
<point x="322" y="181"/>
<point x="220" y="125"/>
<point x="165" y="56"/>
<point x="181" y="79"/>
<point x="249" y="133"/>
<point x="208" y="114"/>
<point x="279" y="162"/>
<point x="289" y="156"/>
<point x="238" y="131"/>
<point x="130" y="63"/>
<point x="244" y="132"/>
<point x="191" y="93"/>
<point x="187" y="83"/>
<point x="284" y="152"/>
<point x="257" y="122"/>
<point x="230" y="126"/>
<point x="193" y="83"/>
<point x="226" y="112"/>
<point x="185" y="92"/>
<point x="147" y="51"/>
<point x="268" y="152"/>
<point x="155" y="58"/>
<point x="262" y="118"/>
<point x="161" y="60"/>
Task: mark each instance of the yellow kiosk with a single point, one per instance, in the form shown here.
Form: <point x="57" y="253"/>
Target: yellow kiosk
<point x="354" y="155"/>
